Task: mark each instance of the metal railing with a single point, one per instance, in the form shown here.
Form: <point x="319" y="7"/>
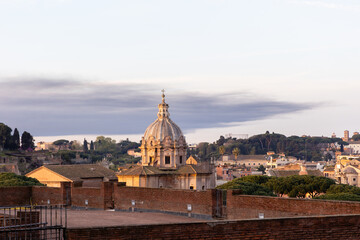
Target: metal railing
<point x="33" y="222"/>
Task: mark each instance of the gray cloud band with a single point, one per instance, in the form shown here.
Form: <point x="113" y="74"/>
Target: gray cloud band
<point x="65" y="106"/>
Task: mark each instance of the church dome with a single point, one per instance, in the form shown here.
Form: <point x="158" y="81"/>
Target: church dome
<point x="163" y="126"/>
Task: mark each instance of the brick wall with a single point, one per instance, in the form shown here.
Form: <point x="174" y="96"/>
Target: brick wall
<point x="164" y="199"/>
<point x="40" y="195"/>
<point x="245" y="207"/>
<point x="326" y="227"/>
<point x="12" y="196"/>
<point x="93" y="195"/>
<point x="204" y="203"/>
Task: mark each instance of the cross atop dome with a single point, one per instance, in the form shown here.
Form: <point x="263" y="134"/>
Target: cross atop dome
<point x="163" y="107"/>
<point x="163" y="95"/>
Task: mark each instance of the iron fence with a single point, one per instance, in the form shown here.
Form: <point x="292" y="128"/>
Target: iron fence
<point x="33" y="222"/>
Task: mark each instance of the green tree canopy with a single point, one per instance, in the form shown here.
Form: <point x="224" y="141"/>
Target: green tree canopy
<point x="11" y="179"/>
<point x="293" y="186"/>
<point x="15" y="140"/>
<point x="27" y="141"/>
<point x="246" y="188"/>
<point x="60" y="142"/>
<point x="5" y="136"/>
<point x="300" y="186"/>
<point x="356" y="137"/>
<point x="340" y="197"/>
<point x="85" y="146"/>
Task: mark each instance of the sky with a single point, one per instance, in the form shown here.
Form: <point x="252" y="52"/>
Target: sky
<point x="75" y="68"/>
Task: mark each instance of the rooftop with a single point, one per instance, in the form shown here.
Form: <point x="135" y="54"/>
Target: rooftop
<point x="83" y="171"/>
<point x="101" y="218"/>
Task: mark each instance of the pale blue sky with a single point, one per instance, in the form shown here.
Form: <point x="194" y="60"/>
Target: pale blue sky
<point x="288" y="66"/>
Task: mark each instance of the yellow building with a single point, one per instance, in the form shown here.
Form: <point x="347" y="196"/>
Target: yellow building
<point x="87" y="175"/>
<point x="163" y="165"/>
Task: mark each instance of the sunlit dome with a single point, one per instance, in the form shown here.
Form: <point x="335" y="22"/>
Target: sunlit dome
<point x="163" y="126"/>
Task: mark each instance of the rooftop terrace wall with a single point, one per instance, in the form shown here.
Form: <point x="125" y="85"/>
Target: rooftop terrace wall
<point x="204" y="204"/>
<point x="325" y="227"/>
<point x="247" y="207"/>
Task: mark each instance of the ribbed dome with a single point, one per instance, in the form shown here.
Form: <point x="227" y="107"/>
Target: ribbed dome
<point x="163" y="126"/>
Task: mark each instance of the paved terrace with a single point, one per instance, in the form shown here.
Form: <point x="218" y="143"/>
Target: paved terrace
<point x="101" y="218"/>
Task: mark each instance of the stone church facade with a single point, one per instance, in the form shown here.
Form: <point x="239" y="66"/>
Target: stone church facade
<point x="163" y="153"/>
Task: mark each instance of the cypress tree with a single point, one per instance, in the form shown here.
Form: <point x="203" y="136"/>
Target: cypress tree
<point x="27" y="141"/>
<point x="85" y="147"/>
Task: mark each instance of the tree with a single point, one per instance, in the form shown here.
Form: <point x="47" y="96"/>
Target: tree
<point x="340" y="197"/>
<point x="5" y="136"/>
<point x="236" y="152"/>
<point x="328" y="157"/>
<point x="92" y="146"/>
<point x="27" y="141"/>
<point x="221" y="150"/>
<point x="11" y="179"/>
<point x="261" y="168"/>
<point x="256" y="179"/>
<point x="15" y="140"/>
<point x="221" y="141"/>
<point x="246" y="188"/>
<point x="60" y="143"/>
<point x="300" y="186"/>
<point x="85" y="147"/>
<point x="356" y="137"/>
<point x="75" y="145"/>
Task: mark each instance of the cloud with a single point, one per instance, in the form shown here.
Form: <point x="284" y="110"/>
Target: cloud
<point x="67" y="106"/>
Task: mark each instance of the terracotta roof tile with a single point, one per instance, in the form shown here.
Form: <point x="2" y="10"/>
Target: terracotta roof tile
<point x="82" y="171"/>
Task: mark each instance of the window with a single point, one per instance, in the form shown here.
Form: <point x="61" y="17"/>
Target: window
<point x="354" y="179"/>
<point x="203" y="187"/>
<point x="191" y="188"/>
<point x="167" y="159"/>
<point x="180" y="159"/>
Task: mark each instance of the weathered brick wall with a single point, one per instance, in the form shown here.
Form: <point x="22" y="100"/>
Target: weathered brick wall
<point x="12" y="196"/>
<point x="93" y="195"/>
<point x="40" y="195"/>
<point x="164" y="199"/>
<point x="107" y="190"/>
<point x="245" y="207"/>
<point x="326" y="227"/>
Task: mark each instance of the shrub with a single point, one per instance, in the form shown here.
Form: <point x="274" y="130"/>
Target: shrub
<point x="11" y="179"/>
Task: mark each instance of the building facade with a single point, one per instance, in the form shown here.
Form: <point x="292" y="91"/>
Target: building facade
<point x="163" y="159"/>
